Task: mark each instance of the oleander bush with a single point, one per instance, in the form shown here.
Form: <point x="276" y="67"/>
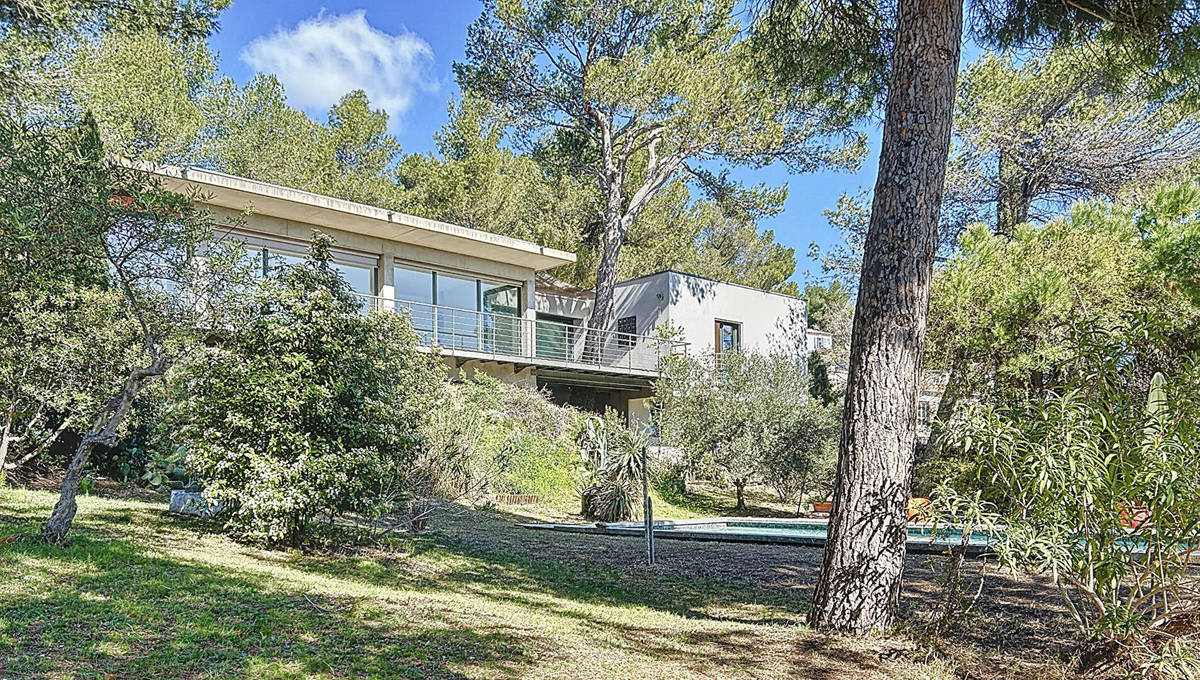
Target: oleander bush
<point x="1099" y="488"/>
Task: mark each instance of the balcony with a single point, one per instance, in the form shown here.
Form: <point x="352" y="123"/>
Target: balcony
<point x="502" y="337"/>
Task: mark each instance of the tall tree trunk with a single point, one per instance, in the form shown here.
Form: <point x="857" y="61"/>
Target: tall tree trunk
<point x="1014" y="195"/>
<point x="740" y="486"/>
<point x="104" y="431"/>
<point x="606" y="272"/>
<point x="616" y="225"/>
<point x="864" y="555"/>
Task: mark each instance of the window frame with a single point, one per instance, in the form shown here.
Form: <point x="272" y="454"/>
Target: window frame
<point x="718" y="325"/>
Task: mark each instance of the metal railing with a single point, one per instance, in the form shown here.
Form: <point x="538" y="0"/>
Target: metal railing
<point x="504" y="335"/>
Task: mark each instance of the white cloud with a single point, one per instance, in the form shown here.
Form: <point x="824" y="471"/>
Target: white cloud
<point x="325" y="57"/>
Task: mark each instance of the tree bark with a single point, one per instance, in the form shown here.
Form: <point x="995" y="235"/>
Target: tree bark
<point x="1014" y="196"/>
<point x="103" y="431"/>
<point x="740" y="486"/>
<point x="861" y="573"/>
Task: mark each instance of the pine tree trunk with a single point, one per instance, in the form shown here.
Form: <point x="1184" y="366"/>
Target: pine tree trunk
<point x="606" y="272"/>
<point x="864" y="555"/>
<point x="103" y="431"/>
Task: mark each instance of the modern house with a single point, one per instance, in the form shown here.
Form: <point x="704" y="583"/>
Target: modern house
<point x="705" y="314"/>
<point x="487" y="302"/>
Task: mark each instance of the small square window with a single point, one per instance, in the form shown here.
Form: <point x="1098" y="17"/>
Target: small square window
<point x="729" y="336"/>
<point x="626" y="328"/>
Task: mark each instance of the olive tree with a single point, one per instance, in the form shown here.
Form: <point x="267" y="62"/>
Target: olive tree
<point x="733" y="410"/>
<point x="307" y="408"/>
<point x="72" y="217"/>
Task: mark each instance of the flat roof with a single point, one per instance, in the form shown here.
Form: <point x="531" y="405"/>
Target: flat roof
<point x="709" y="278"/>
<point x="240" y="193"/>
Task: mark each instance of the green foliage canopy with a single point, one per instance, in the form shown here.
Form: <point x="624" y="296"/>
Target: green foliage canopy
<point x="308" y="408"/>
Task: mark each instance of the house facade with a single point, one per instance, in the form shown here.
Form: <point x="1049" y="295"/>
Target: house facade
<point x="486" y="302"/>
<point x="705" y="314"/>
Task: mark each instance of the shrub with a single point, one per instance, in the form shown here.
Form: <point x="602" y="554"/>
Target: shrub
<point x="487" y="437"/>
<point x="308" y="409"/>
<point x="1102" y="491"/>
<point x="609" y="476"/>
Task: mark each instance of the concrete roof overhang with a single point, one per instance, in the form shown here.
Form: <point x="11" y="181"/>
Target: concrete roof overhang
<point x="239" y="193"/>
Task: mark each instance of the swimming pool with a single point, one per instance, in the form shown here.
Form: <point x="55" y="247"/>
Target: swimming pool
<point x="805" y="532"/>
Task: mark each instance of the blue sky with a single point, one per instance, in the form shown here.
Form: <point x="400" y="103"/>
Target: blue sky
<point x="401" y="53"/>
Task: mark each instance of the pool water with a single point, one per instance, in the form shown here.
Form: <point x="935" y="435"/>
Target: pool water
<point x="818" y="530"/>
<point x="921" y="538"/>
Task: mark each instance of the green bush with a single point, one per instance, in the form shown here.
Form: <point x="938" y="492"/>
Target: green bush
<point x="486" y="437"/>
<point x="609" y="473"/>
<point x="308" y="409"/>
<point x="956" y="472"/>
<point x="1101" y="490"/>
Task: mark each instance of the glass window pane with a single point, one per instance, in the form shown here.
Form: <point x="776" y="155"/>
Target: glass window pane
<point x="728" y="336"/>
<point x="458" y="324"/>
<point x="414" y="292"/>
<point x="501" y="325"/>
<point x="501" y="299"/>
<point x="460" y="293"/>
<point x="412" y="285"/>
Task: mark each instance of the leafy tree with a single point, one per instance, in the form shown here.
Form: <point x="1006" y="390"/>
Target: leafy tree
<point x="863" y="563"/>
<point x="251" y="131"/>
<point x="731" y="410"/>
<point x="638" y="90"/>
<point x="35" y="35"/>
<point x="825" y="304"/>
<point x="1003" y="310"/>
<point x="361" y="152"/>
<point x="144" y="90"/>
<point x="1043" y="133"/>
<point x="478" y="180"/>
<point x="307" y="408"/>
<point x="52" y="378"/>
<point x="116" y="227"/>
<point x="802" y="456"/>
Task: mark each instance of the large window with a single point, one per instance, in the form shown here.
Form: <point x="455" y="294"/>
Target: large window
<point x="729" y="336"/>
<point x="461" y="312"/>
<point x="270" y="256"/>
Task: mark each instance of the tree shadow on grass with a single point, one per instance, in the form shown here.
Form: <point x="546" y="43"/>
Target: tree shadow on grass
<point x="110" y="605"/>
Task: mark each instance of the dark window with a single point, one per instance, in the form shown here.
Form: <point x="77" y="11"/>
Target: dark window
<point x="729" y="336"/>
<point x="626" y="326"/>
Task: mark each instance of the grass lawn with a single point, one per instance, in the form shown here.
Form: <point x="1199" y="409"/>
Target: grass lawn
<point x="140" y="593"/>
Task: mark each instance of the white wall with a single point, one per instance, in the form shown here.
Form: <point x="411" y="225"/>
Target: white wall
<point x="770" y="322"/>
